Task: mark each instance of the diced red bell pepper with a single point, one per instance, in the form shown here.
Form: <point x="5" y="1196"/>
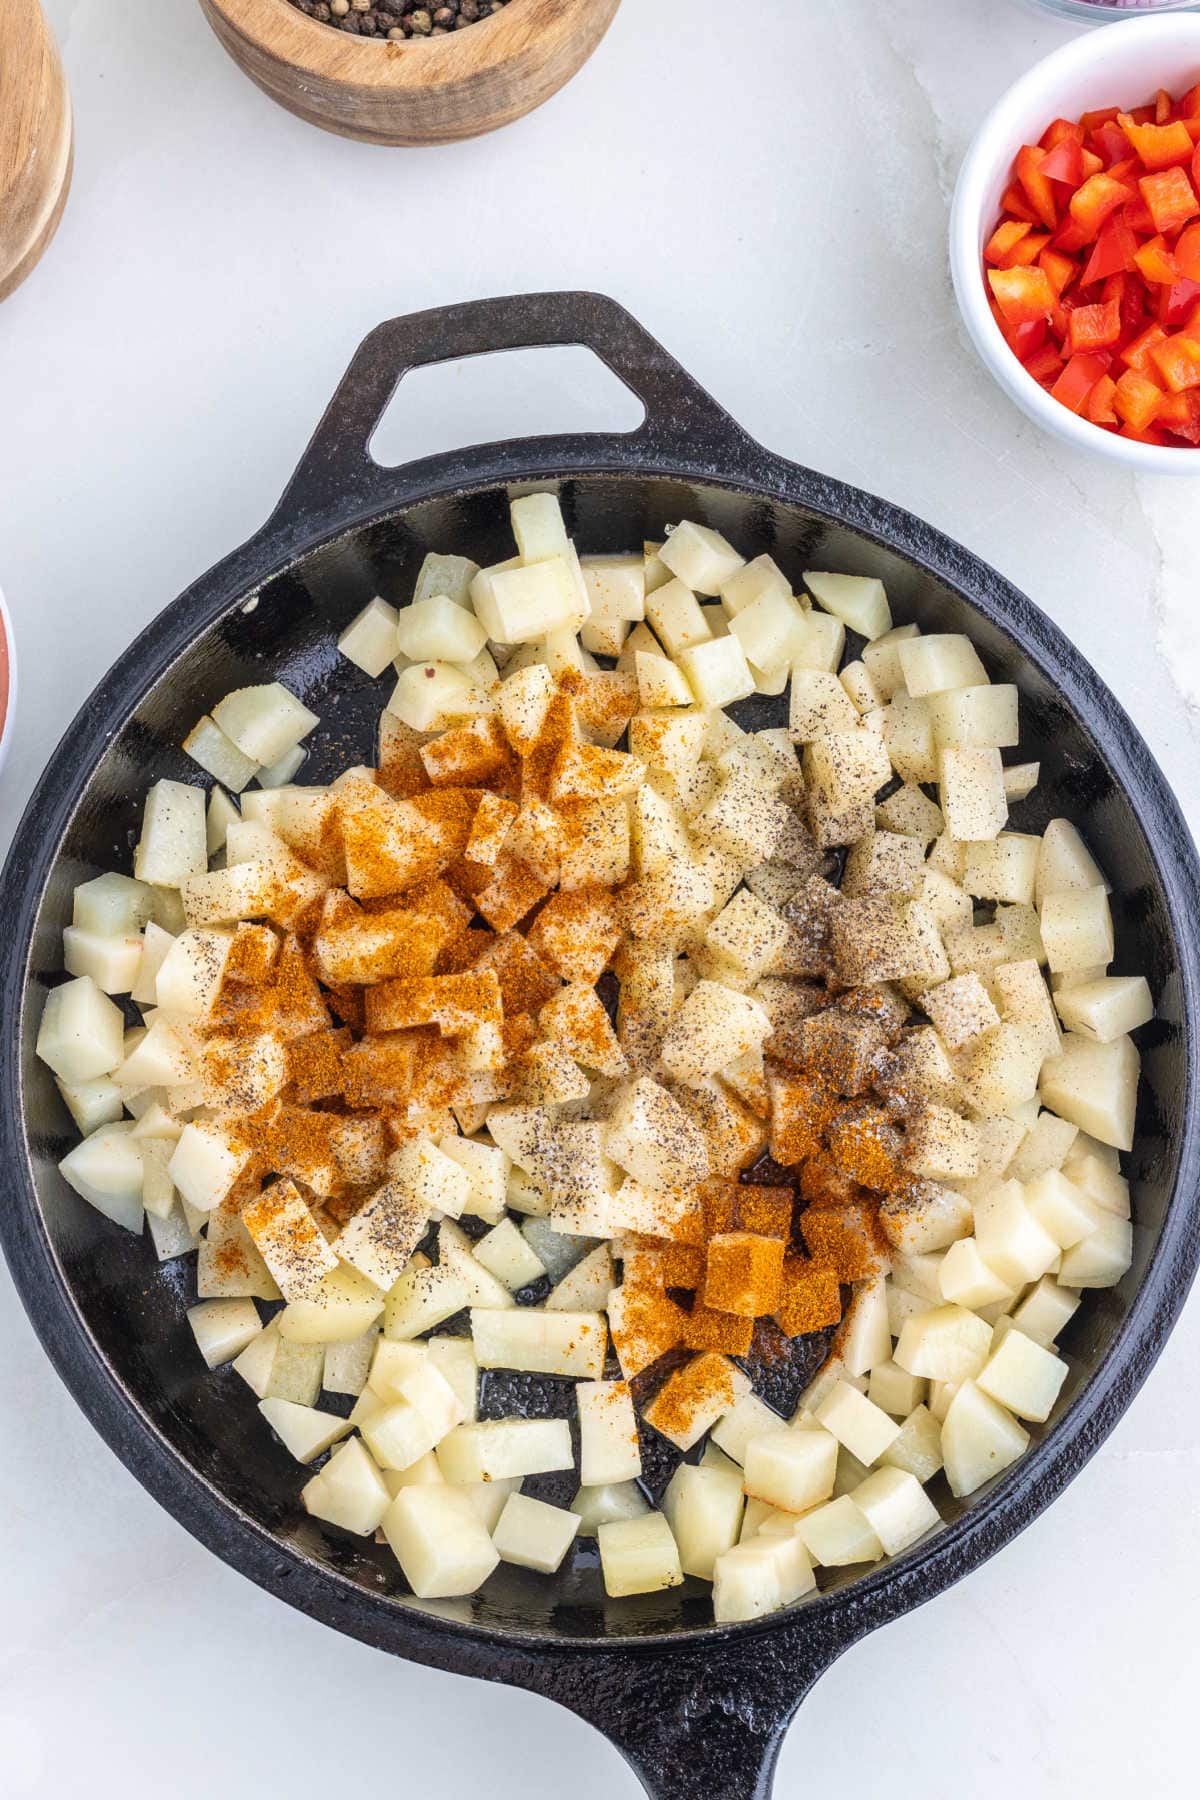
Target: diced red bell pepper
<point x="1060" y="131"/>
<point x="1093" y="327"/>
<point x="1177" y="360"/>
<point x="1025" y="339"/>
<point x="1180" y="413"/>
<point x="1116" y="247"/>
<point x="1188" y="105"/>
<point x="1138" y="219"/>
<point x="1093" y="203"/>
<point x="1065" y="162"/>
<point x="1176" y="305"/>
<point x="1003" y="239"/>
<point x="1044" y="364"/>
<point x="1027" y="251"/>
<point x="1150" y="435"/>
<point x="1060" y="270"/>
<point x="1077" y="380"/>
<point x="1098" y="406"/>
<point x="1136" y="356"/>
<point x="1156" y="262"/>
<point x="1141" y="115"/>
<point x="1092" y="121"/>
<point x="1092" y="164"/>
<point x="1136" y="399"/>
<point x="1170" y="198"/>
<point x="1070" y="238"/>
<point x="1187" y="252"/>
<point x="1016" y="206"/>
<point x="1037" y="189"/>
<point x="1109" y="141"/>
<point x="1159" y="146"/>
<point x="1162" y="106"/>
<point x="1022" y="294"/>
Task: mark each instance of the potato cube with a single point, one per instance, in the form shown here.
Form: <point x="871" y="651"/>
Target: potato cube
<point x="676" y="616"/>
<point x="908" y="735"/>
<point x="1000" y="1069"/>
<point x="967" y="1280"/>
<point x="422" y="1298"/>
<point x="508" y="1256"/>
<point x="746" y="1419"/>
<point x="616" y="588"/>
<point x="745" y="939"/>
<point x="349" y="1491"/>
<point x="174" y="840"/>
<point x="918" y="1449"/>
<point x="716" y="672"/>
<point x="369" y="641"/>
<point x="909" y="812"/>
<point x="865" y="1340"/>
<point x="771" y="631"/>
<point x="924" y="1216"/>
<point x="439" y="1541"/>
<point x="971" y="793"/>
<point x="651" y="1137"/>
<point x="714" y="1027"/>
<point x="893" y="1390"/>
<point x="1045" y="1310"/>
<point x="1010" y="1239"/>
<point x="961" y="1009"/>
<point x="494" y="1449"/>
<point x="81" y="1035"/>
<point x="860" y="601"/>
<point x="819" y="705"/>
<point x="223" y="1328"/>
<point x="1062" y="1210"/>
<point x="340" y="1309"/>
<point x="1003" y="868"/>
<point x="1094" y="1086"/>
<point x="839" y="1534"/>
<point x="692" y="1399"/>
<point x="942" y="1145"/>
<point x="638" y="1555"/>
<point x="704" y="1508"/>
<point x="1023" y="1376"/>
<point x="752" y="1579"/>
<point x="1106" y="1008"/>
<point x="749" y="582"/>
<point x="552" y="1342"/>
<point x="206" y="1162"/>
<point x="791" y="1469"/>
<point x="1100" y="1259"/>
<point x="938" y="662"/>
<point x="1065" y="864"/>
<point x="533" y="1534"/>
<point x="112" y="905"/>
<point x="897" y="1508"/>
<point x="979" y="1439"/>
<point x="846" y="767"/>
<point x="701" y="557"/>
<point x="884" y="862"/>
<point x="744" y="1273"/>
<point x="1077" y="929"/>
<point x="610" y="1451"/>
<point x="946" y="1344"/>
<point x="863" y="1428"/>
<point x="975" y="718"/>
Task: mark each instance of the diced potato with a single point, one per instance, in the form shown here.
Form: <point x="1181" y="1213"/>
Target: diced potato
<point x="275" y="1369"/>
<point x="206" y="1162"/>
<point x="520" y="604"/>
<point x="439" y="1541"/>
<point x="1023" y="1376"/>
<point x="1094" y="1086"/>
<point x="715" y="1026"/>
<point x="677" y="618"/>
<point x="1077" y="929"/>
<point x="369" y="641"/>
<point x="349" y="1491"/>
<point x="925" y="1216"/>
<point x="839" y="1534"/>
<point x="971" y="792"/>
<point x="537" y="525"/>
<point x="946" y="1344"/>
<point x="897" y="1508"/>
<point x="341" y="1309"/>
<point x="587" y="1286"/>
<point x="704" y="1508"/>
<point x="700" y="557"/>
<point x="616" y="587"/>
<point x="967" y="1280"/>
<point x="496" y="1449"/>
<point x="893" y="1390"/>
<point x="1000" y="1069"/>
<point x="508" y="1256"/>
<point x="1065" y="864"/>
<point x="961" y="1009"/>
<point x="437" y="630"/>
<point x="1062" y="1210"/>
<point x="610" y="1451"/>
<point x="941" y="1145"/>
<point x="190" y="974"/>
<point x="1101" y="1258"/>
<point x="1010" y="1239"/>
<point x="1046" y="1309"/>
<point x="651" y="1137"/>
<point x="864" y="1338"/>
<point x="746" y="1419"/>
<point x="918" y="1449"/>
<point x="596" y="1506"/>
<point x="1107" y="1008"/>
<point x="975" y="718"/>
<point x="454" y="1359"/>
<point x="534" y="1535"/>
<point x="1024" y="1000"/>
<point x="422" y="1298"/>
<point x="218" y="756"/>
<point x="112" y="905"/>
<point x="174" y="840"/>
<point x="638" y="1556"/>
<point x="752" y="1579"/>
<point x="819" y="705"/>
<point x="717" y="672"/>
<point x="346" y="1365"/>
<point x="229" y="1265"/>
<point x="979" y="1439"/>
<point x="863" y="1428"/>
<point x="791" y="1469"/>
<point x="303" y="1430"/>
<point x="264" y="722"/>
<point x="772" y="632"/>
<point x="938" y="662"/>
<point x="81" y="1035"/>
<point x="434" y="702"/>
<point x="860" y="601"/>
<point x="553" y="1342"/>
<point x="91" y="1103"/>
<point x="1003" y="868"/>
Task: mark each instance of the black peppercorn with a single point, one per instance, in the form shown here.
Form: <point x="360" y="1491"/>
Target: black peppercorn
<point x="397" y="20"/>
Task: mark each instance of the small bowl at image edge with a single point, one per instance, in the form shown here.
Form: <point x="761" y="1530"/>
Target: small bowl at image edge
<point x="1123" y="66"/>
<point x="8" y="679"/>
<point x="1110" y="12"/>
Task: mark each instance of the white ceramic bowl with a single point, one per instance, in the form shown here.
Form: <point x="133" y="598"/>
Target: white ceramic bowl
<point x="1122" y="65"/>
<point x="8" y="680"/>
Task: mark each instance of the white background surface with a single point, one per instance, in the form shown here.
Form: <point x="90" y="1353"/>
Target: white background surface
<point x="765" y="183"/>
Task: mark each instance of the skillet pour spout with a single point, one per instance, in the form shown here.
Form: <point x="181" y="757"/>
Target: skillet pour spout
<point x="696" y="1708"/>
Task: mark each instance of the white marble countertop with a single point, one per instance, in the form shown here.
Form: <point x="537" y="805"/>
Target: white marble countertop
<point x="765" y="184"/>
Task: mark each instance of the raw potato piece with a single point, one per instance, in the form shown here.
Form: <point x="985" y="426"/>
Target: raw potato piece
<point x="369" y="641"/>
<point x="760" y="1577"/>
<point x="1107" y="1008"/>
<point x="305" y="1431"/>
<point x="533" y="1535"/>
<point x="700" y="557"/>
<point x="971" y="793"/>
<point x="704" y="1508"/>
<point x="174" y="840"/>
<point x="979" y="1439"/>
<point x="81" y="1035"/>
<point x="791" y="1469"/>
<point x="223" y="1328"/>
<point x="638" y="1556"/>
<point x="863" y="1428"/>
<point x="440" y="1542"/>
<point x="1094" y="1086"/>
<point x="609" y="1450"/>
<point x="554" y="1343"/>
<point x="349" y="1491"/>
<point x="498" y="1449"/>
<point x="860" y="601"/>
<point x="1024" y="1376"/>
<point x="897" y="1508"/>
<point x="839" y="1534"/>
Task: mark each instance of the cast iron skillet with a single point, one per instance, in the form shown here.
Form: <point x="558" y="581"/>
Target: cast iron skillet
<point x="695" y="1708"/>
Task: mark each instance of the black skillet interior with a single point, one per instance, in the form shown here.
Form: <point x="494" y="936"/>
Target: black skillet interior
<point x="614" y="493"/>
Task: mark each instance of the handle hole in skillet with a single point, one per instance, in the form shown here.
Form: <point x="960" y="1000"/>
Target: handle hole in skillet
<point x="547" y="391"/>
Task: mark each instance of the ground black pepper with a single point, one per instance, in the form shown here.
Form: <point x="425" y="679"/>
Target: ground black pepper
<point x="397" y="20"/>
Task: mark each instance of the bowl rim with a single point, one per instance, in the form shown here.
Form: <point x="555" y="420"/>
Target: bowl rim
<point x="283" y="1567"/>
<point x="8" y="678"/>
<point x="994" y="138"/>
<point x="277" y="30"/>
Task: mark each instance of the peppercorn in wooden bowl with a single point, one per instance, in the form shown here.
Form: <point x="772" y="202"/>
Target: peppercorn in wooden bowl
<point x="430" y="89"/>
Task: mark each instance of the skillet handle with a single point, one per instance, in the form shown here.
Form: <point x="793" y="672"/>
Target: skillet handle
<point x="338" y="467"/>
<point x="705" y="1721"/>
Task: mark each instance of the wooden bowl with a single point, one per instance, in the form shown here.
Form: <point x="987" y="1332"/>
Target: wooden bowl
<point x="422" y="91"/>
<point x="36" y="142"/>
